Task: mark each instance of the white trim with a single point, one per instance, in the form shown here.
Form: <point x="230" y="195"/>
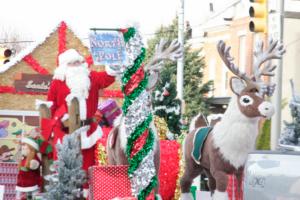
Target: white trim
<point x="82" y="108"/>
<point x="19" y="112"/>
<point x="65" y="117"/>
<point x="89" y="141"/>
<point x="19" y="57"/>
<point x="27" y="189"/>
<point x="30" y="142"/>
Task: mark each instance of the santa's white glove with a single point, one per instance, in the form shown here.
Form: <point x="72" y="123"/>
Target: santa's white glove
<point x="34" y="164"/>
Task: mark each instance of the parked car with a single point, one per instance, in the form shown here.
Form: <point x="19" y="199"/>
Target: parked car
<point x="273" y="175"/>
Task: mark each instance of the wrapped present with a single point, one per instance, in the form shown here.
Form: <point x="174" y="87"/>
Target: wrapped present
<point x="8" y="178"/>
<point x="109" y="182"/>
<point x="110" y="111"/>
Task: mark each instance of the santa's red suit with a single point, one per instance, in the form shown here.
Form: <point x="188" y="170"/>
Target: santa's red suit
<point x="61" y="92"/>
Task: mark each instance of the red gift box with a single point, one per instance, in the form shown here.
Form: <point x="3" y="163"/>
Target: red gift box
<point x="110" y="110"/>
<point x="109" y="182"/>
<point x="8" y="178"/>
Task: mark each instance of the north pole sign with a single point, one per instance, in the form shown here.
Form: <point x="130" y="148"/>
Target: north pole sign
<point x="107" y="47"/>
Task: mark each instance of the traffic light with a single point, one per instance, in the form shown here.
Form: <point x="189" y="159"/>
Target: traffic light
<point x="5" y="54"/>
<point x="259" y="16"/>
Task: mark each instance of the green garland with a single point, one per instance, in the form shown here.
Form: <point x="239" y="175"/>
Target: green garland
<point x="143" y="194"/>
<point x="138" y="158"/>
<point x="128" y="100"/>
<point x="129" y="34"/>
<point x="140" y="129"/>
<point x="137" y="63"/>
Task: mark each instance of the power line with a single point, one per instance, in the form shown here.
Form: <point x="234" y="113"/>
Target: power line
<point x="21" y="41"/>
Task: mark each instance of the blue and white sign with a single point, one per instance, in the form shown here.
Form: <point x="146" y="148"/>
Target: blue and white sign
<point x="108" y="48"/>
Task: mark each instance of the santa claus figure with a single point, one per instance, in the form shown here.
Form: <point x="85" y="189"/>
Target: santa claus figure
<point x="72" y="78"/>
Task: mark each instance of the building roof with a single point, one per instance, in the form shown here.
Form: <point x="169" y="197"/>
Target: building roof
<point x="28" y="50"/>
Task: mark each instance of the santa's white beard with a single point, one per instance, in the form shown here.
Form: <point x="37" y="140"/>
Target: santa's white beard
<point x="78" y="81"/>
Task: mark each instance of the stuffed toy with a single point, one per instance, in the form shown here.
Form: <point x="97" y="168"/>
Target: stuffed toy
<point x="28" y="180"/>
<point x="221" y="149"/>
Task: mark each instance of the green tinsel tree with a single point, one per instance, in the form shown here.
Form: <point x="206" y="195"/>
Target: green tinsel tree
<point x="291" y="131"/>
<point x="68" y="178"/>
<point x="194" y="89"/>
<point x="166" y="105"/>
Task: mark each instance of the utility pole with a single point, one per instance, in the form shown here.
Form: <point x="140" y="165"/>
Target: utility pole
<point x="180" y="61"/>
<point x="276" y="32"/>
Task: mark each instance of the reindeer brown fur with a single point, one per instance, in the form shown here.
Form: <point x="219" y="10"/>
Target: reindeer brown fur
<point x="226" y="148"/>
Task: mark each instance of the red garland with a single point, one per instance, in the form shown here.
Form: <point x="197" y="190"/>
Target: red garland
<point x="134" y="81"/>
<point x="139" y="143"/>
<point x="12" y="90"/>
<point x="7" y="89"/>
<point x="62" y="37"/>
<point x="35" y="65"/>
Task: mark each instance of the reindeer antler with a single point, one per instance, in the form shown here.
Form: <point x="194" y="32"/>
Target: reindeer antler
<point x="172" y="52"/>
<point x="275" y="50"/>
<point x="224" y="52"/>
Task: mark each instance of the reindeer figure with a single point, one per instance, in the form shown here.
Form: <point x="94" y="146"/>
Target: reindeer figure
<point x="225" y="149"/>
<point x="117" y="138"/>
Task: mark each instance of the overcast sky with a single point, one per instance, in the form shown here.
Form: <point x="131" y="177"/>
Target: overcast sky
<point x="32" y="18"/>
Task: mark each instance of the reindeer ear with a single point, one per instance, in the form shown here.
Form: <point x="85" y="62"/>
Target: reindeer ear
<point x="237" y="85"/>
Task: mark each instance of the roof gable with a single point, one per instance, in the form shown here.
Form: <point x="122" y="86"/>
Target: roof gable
<point x="25" y="55"/>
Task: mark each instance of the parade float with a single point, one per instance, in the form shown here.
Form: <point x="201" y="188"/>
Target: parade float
<point x="92" y="159"/>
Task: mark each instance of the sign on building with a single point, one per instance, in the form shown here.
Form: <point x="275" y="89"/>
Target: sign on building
<point x="36" y="83"/>
<point x="107" y="47"/>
